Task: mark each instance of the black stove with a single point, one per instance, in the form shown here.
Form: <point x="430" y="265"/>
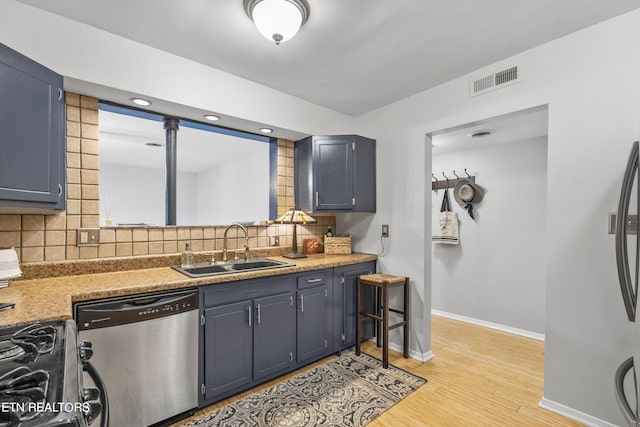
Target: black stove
<point x="41" y="377"/>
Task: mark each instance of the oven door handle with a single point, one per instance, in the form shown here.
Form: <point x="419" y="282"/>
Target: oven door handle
<point x="99" y="383"/>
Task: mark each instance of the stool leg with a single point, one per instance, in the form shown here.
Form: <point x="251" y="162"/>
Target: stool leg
<point x="406" y="319"/>
<point x="385" y="327"/>
<point x="358" y="328"/>
<point x="378" y="323"/>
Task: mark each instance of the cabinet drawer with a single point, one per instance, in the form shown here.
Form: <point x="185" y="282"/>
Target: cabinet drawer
<point x="226" y="293"/>
<point x="316" y="278"/>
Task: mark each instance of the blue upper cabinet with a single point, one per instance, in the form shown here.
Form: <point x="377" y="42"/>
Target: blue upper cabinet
<point x="335" y="174"/>
<point x="32" y="136"/>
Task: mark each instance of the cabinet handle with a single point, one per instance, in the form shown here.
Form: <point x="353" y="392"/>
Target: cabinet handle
<point x="325" y="343"/>
<point x="316" y="199"/>
<point x="258" y="314"/>
<point x="326" y="293"/>
<point x="301" y="303"/>
<point x="59" y="94"/>
<point x="249" y="312"/>
<point x="59" y="190"/>
<point x="290" y="300"/>
<point x="290" y="357"/>
<point x="314" y="280"/>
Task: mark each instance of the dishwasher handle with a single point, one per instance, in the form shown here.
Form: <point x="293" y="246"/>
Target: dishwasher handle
<point x="130" y="310"/>
<point x="148" y="302"/>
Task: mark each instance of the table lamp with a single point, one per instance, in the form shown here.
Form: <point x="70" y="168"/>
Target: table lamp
<point x="295" y="216"/>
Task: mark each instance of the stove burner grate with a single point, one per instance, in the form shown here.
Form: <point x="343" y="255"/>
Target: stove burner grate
<point x="29" y="343"/>
<point x="10" y="351"/>
<point x="21" y="392"/>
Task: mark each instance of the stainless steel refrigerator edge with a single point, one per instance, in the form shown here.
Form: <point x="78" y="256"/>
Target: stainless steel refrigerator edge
<point x="146" y="349"/>
<point x="627" y="260"/>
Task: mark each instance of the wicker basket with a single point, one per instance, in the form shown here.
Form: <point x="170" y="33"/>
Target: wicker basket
<point x="337" y="245"/>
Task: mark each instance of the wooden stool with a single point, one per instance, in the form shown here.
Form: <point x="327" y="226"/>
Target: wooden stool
<point x="383" y="282"/>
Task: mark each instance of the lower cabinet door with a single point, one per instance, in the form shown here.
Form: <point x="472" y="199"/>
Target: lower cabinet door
<point x="345" y="315"/>
<point x="273" y="334"/>
<point x="228" y="347"/>
<point x="312" y="319"/>
<point x="367" y="300"/>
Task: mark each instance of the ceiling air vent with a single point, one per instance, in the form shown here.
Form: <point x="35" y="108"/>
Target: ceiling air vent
<point x="494" y="81"/>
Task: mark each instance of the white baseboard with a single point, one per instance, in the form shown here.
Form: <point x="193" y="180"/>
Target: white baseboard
<point x="497" y="326"/>
<point x="420" y="357"/>
<point x="573" y="414"/>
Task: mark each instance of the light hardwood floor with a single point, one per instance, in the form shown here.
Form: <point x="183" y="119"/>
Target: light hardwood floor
<point x="478" y="377"/>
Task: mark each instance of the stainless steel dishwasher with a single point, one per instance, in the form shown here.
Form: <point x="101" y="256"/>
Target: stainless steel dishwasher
<point x="146" y="350"/>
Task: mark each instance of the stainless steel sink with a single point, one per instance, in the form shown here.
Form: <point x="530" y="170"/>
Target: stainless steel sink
<point x="204" y="270"/>
<point x="258" y="264"/>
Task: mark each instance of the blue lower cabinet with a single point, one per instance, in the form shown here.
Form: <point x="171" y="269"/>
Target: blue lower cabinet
<point x="255" y="330"/>
<point x="273" y="334"/>
<point x="345" y="316"/>
<point x="248" y="334"/>
<point x="313" y="314"/>
<point x="227" y="348"/>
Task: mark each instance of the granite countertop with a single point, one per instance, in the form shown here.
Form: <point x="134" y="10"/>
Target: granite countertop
<point x="52" y="298"/>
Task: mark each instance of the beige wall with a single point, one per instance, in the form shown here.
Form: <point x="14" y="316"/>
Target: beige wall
<point x="53" y="237"/>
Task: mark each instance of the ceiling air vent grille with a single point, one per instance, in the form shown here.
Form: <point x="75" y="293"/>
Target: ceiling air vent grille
<point x="494" y="81"/>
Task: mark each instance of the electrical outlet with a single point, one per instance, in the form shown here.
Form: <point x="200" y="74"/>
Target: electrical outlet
<point x="88" y="237"/>
<point x="385" y="230"/>
<point x="274" y="240"/>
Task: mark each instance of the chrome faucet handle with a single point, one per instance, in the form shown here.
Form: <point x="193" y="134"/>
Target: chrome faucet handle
<point x="246" y="252"/>
<point x="235" y="258"/>
<point x="224" y="255"/>
<point x="213" y="258"/>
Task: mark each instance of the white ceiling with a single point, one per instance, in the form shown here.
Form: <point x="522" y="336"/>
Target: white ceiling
<point x="514" y="127"/>
<point x="351" y="56"/>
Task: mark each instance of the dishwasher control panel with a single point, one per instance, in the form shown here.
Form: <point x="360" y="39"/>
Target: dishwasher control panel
<point x="138" y="308"/>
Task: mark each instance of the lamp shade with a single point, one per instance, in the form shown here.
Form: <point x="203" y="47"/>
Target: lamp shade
<point x="277" y="20"/>
<point x="295" y="216"/>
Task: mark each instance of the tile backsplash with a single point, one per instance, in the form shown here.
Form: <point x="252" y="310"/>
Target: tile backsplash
<point x="53" y="237"/>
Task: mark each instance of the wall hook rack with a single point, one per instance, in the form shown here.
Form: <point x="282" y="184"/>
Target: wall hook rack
<point x="449" y="183"/>
<point x="432" y="183"/>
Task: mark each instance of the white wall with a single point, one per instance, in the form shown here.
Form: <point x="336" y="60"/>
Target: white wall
<point x="198" y="194"/>
<point x="130" y="205"/>
<point x="591" y="82"/>
<point x="221" y="191"/>
<point x="498" y="271"/>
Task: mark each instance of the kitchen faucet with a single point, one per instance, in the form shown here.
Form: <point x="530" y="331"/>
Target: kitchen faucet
<point x="246" y="244"/>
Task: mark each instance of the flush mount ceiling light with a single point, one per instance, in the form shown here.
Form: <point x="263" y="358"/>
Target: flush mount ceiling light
<point x="212" y="117"/>
<point x="266" y="130"/>
<point x="140" y="101"/>
<point x="277" y="20"/>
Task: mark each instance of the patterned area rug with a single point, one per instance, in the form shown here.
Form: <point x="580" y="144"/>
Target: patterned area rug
<point x="348" y="391"/>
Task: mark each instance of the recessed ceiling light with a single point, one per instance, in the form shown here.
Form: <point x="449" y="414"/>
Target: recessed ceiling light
<point x="480" y="133"/>
<point x="140" y="101"/>
<point x="212" y="117"/>
<point x="266" y="130"/>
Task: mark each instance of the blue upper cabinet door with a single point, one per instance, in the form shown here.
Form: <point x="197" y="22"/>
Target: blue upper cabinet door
<point x="333" y="164"/>
<point x="335" y="173"/>
<point x="32" y="131"/>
